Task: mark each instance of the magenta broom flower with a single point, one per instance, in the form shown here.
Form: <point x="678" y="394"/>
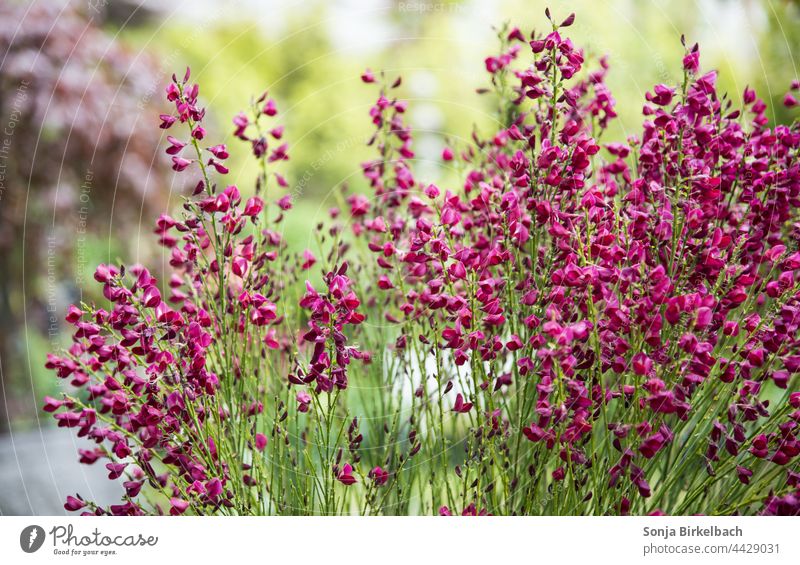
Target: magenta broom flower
<point x="460" y="406"/>
<point x="345" y="476"/>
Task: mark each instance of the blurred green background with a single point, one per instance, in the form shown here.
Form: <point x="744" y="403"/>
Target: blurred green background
<point x="309" y="56"/>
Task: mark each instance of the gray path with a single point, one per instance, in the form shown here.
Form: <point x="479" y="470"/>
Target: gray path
<point x="39" y="469"/>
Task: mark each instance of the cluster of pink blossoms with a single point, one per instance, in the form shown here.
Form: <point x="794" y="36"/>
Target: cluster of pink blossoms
<point x="328" y="316"/>
<point x="588" y="326"/>
<point x="632" y="299"/>
<point x="151" y="365"/>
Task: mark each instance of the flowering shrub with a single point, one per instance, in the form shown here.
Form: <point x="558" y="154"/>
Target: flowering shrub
<point x="582" y="327"/>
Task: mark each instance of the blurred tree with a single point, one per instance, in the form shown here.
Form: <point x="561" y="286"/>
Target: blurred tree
<point x="80" y="163"/>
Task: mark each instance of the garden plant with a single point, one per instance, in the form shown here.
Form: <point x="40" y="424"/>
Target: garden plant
<point x="580" y="326"/>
